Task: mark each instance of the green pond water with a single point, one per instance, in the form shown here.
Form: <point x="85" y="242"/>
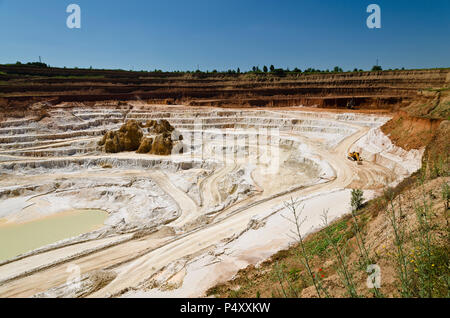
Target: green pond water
<point x="16" y="239"/>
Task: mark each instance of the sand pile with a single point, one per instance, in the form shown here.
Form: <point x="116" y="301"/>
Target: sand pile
<point x="153" y="137"/>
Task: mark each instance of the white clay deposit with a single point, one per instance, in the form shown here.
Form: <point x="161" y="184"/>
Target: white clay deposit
<point x="177" y="225"/>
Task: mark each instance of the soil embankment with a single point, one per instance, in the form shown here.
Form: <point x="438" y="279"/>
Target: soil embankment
<point x="21" y="86"/>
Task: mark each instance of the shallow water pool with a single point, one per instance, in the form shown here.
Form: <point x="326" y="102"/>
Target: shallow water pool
<point x="16" y="239"/>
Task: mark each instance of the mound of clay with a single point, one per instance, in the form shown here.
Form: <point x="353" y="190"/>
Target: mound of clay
<point x="146" y="145"/>
<point x="158" y="127"/>
<point x="111" y="142"/>
<point x="162" y="145"/>
<point x="128" y="138"/>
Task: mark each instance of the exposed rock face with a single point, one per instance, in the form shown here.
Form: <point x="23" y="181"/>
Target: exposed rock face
<point x="148" y="124"/>
<point x="158" y="127"/>
<point x="146" y="145"/>
<point x="374" y="90"/>
<point x="130" y="137"/>
<point x="162" y="145"/>
<point x="111" y="142"/>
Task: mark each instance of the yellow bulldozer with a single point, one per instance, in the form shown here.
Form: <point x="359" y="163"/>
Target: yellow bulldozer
<point x="355" y="156"/>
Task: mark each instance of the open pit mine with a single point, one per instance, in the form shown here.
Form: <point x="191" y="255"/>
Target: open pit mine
<point x="129" y="199"/>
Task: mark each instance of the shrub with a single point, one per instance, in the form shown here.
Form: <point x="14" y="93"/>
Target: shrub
<point x="357" y="199"/>
<point x="279" y="72"/>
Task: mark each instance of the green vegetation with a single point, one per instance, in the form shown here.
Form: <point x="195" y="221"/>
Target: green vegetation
<point x="337" y="232"/>
<point x="36" y="64"/>
<point x="271" y="72"/>
<point x="422" y="255"/>
<point x="304" y="255"/>
<point x="340" y="251"/>
<point x="255" y="69"/>
<point x="357" y="199"/>
<point x="79" y="77"/>
<point x="441" y="89"/>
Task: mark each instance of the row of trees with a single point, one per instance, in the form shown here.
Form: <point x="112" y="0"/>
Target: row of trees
<point x="282" y="72"/>
<point x="38" y="64"/>
<point x="254" y="70"/>
<point x="336" y="69"/>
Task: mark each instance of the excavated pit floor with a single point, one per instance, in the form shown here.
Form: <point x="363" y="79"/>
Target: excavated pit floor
<point x="156" y="216"/>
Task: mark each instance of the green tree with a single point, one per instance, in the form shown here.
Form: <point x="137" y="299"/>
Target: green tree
<point x="377" y="68"/>
<point x="272" y="68"/>
<point x="265" y="69"/>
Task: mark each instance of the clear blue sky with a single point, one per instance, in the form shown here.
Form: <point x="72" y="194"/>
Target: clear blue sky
<point x="181" y="34"/>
